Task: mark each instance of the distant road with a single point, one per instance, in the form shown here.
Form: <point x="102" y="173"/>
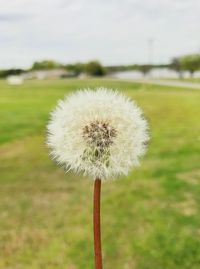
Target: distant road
<point x="172" y="83"/>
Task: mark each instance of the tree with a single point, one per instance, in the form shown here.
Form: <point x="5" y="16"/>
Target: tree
<point x="145" y="69"/>
<point x="94" y="68"/>
<point x="9" y="72"/>
<point x="46" y="64"/>
<point x="176" y="65"/>
<point x="76" y="68"/>
<point x="190" y="63"/>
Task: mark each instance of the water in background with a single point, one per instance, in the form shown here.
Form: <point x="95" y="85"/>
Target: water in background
<point x="154" y="73"/>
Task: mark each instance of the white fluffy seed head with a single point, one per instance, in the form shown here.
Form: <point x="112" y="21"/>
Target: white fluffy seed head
<point x="100" y="133"/>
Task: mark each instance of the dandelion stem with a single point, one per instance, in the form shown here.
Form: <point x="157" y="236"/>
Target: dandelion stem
<point x="97" y="224"/>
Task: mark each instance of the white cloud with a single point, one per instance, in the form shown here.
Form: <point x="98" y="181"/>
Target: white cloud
<point x="112" y="31"/>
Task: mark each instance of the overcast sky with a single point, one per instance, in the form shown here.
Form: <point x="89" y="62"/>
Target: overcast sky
<point x="112" y="31"/>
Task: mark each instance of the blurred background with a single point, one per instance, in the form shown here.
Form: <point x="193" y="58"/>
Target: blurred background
<point x="149" y="50"/>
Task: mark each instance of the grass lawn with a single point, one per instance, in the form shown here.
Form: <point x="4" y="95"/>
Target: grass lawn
<point x="196" y="80"/>
<point x="150" y="220"/>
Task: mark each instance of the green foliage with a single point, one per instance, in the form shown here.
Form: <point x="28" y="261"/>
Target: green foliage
<point x="190" y="63"/>
<point x="77" y="68"/>
<point x="45" y="65"/>
<point x="150" y="219"/>
<point x="145" y="69"/>
<point x="94" y="68"/>
<point x="8" y="72"/>
<point x="176" y="65"/>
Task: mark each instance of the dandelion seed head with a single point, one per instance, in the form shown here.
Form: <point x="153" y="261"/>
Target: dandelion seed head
<point x="100" y="133"/>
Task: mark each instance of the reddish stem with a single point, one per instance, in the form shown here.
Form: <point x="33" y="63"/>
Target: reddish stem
<point x="97" y="224"/>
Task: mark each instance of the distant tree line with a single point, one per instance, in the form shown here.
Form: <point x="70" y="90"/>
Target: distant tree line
<point x="8" y="72"/>
<point x="46" y="65"/>
<point x="92" y="68"/>
<point x="190" y="63"/>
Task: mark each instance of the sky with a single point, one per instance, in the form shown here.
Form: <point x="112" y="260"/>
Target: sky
<point x="111" y="31"/>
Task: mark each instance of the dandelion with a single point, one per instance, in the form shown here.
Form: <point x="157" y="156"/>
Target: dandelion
<point x="99" y="133"/>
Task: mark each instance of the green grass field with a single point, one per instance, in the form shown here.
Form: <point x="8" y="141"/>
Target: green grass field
<point x="150" y="220"/>
<point x="196" y="80"/>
